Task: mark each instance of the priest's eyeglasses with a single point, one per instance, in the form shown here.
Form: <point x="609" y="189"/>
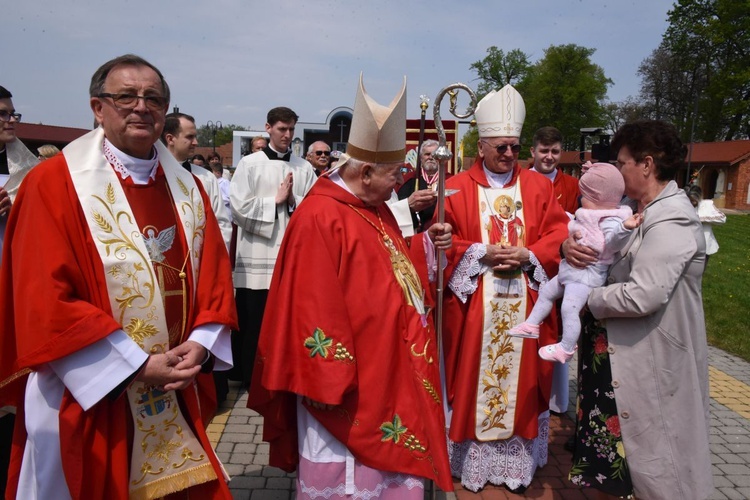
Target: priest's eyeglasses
<point x="130" y="101"/>
<point x="502" y="148"/>
<point x="318" y="153"/>
<point x="6" y="116"/>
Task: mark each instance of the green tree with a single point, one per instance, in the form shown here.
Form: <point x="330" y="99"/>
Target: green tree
<point x="495" y="71"/>
<point x="224" y="134"/>
<point x="499" y="69"/>
<point x="669" y="88"/>
<point x="618" y="114"/>
<point x="699" y="76"/>
<point x="471" y="137"/>
<point x="564" y="89"/>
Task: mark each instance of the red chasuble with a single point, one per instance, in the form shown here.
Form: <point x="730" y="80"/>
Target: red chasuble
<point x="339" y="330"/>
<point x="566" y="191"/>
<point x="55" y="302"/>
<point x="545" y="227"/>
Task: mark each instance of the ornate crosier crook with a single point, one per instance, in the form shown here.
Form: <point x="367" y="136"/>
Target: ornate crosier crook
<point x="442" y="154"/>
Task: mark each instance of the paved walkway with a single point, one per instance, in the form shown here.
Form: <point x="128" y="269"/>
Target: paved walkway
<point x="237" y="434"/>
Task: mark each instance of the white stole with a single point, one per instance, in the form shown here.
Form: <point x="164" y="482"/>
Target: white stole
<point x="504" y="299"/>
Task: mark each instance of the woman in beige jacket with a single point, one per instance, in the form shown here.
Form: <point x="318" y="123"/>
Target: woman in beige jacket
<point x="643" y="373"/>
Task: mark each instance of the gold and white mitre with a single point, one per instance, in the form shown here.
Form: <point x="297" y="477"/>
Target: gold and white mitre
<point x="378" y="133"/>
<point x="501" y="113"/>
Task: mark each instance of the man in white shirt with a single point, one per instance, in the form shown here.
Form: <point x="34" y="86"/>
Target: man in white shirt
<point x="181" y="137"/>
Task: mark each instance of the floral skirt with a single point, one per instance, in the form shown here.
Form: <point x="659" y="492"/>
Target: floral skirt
<point x="599" y="458"/>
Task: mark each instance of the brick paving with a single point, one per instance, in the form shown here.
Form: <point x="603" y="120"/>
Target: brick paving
<point x="237" y="434"/>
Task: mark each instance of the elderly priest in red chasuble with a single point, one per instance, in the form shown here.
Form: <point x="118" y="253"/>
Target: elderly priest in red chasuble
<point x="346" y="375"/>
<point x="116" y="301"/>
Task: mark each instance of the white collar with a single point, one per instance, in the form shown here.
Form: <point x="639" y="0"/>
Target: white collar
<point x="551" y="176"/>
<point x="336" y="179"/>
<point x="497" y="180"/>
<point x="277" y="152"/>
<point x="130" y="166"/>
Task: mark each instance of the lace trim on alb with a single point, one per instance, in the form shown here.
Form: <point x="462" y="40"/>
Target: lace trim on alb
<point x="539" y="277"/>
<point x="400" y="480"/>
<point x="120" y="168"/>
<point x="465" y="278"/>
<point x="510" y="461"/>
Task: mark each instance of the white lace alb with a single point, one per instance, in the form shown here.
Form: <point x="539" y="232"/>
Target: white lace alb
<point x="400" y="480"/>
<point x="465" y="278"/>
<point x="510" y="461"/>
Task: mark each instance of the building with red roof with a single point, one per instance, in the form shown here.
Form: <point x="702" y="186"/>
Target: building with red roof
<point x="34" y="135"/>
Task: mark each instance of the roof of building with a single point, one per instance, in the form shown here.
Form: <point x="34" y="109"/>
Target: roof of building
<point x="48" y="133"/>
<point x="717" y="153"/>
<point x="729" y="152"/>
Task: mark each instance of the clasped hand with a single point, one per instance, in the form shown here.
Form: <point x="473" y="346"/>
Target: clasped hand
<point x="174" y="369"/>
<point x="505" y="257"/>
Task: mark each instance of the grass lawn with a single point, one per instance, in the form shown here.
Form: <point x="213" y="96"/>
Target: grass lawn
<point x="726" y="288"/>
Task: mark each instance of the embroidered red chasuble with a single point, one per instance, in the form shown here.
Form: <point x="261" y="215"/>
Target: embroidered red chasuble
<point x="55" y="302"/>
<point x="544" y="229"/>
<point x="340" y="330"/>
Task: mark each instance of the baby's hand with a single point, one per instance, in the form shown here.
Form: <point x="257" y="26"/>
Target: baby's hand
<point x="633" y="221"/>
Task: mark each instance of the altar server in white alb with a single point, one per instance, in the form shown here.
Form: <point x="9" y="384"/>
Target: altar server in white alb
<point x="266" y="188"/>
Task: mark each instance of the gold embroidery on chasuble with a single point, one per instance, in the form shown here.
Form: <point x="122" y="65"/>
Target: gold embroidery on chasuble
<point x="166" y="457"/>
<point x="504" y="299"/>
<point x="408" y="279"/>
<point x="320" y="345"/>
<point x="402" y="267"/>
<point x="170" y="259"/>
<point x="398" y="434"/>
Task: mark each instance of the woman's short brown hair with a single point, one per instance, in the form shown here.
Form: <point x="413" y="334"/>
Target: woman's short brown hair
<point x="657" y="139"/>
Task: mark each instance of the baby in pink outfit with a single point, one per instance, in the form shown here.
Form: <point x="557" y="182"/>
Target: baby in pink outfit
<point x="601" y="224"/>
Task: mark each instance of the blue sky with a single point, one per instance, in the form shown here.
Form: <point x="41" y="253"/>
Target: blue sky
<point x="232" y="60"/>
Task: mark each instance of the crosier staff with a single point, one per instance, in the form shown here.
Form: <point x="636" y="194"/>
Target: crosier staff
<point x="442" y="154"/>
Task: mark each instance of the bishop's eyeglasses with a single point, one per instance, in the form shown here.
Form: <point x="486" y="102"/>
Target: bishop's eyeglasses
<point x="130" y="101"/>
<point x="502" y="148"/>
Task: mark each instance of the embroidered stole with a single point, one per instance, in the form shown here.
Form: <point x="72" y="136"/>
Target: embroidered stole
<point x="504" y="299"/>
<point x="20" y="162"/>
<point x="166" y="457"/>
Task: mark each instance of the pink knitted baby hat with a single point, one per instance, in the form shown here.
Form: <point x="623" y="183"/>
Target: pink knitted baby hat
<point x="602" y="184"/>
